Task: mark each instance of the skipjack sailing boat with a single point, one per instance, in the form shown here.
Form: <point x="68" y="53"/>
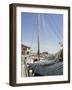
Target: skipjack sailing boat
<point x="44" y="67"/>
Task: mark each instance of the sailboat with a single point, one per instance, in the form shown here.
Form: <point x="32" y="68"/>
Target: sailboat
<point x="44" y="67"/>
<point x="38" y="59"/>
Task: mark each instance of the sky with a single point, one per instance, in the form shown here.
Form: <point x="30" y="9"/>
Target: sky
<point x="50" y="27"/>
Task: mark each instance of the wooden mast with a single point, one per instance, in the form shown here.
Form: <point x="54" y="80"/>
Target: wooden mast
<point x="38" y="29"/>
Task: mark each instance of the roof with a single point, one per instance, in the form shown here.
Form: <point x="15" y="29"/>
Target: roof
<point x="25" y="46"/>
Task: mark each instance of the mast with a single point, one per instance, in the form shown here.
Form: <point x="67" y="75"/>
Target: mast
<point x="38" y="29"/>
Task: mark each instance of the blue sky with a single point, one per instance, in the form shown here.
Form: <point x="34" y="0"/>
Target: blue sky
<point x="50" y="33"/>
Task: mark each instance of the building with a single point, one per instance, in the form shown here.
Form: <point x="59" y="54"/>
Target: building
<point x="25" y="59"/>
<point x="26" y="54"/>
<point x="25" y="50"/>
